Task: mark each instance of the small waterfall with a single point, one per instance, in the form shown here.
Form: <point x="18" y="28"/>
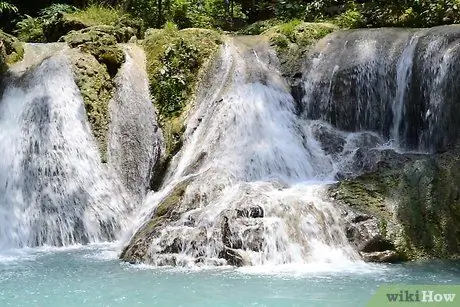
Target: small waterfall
<point x="135" y="140"/>
<point x="403" y="81"/>
<point x="245" y="177"/>
<point x="53" y="188"/>
<point x="398" y="83"/>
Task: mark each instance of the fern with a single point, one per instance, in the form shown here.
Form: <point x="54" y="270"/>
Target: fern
<point x="6" y="7"/>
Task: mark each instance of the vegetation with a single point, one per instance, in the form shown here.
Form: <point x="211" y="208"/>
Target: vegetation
<point x="255" y="16"/>
<point x="7" y="7"/>
<point x="174" y="62"/>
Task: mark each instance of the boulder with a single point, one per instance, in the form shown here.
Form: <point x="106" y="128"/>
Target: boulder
<point x="404" y="211"/>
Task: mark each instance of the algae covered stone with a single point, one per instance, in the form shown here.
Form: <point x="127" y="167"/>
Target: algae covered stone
<point x="175" y="62"/>
<point x="101" y="42"/>
<point x="414" y="209"/>
<point x="11" y="50"/>
<point x="96" y="88"/>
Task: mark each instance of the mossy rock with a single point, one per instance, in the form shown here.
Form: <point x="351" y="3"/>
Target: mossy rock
<point x="175" y="63"/>
<point x="417" y="206"/>
<point x="11" y="50"/>
<point x="292" y="40"/>
<point x="101" y="42"/>
<point x="97" y="88"/>
<point x="166" y="211"/>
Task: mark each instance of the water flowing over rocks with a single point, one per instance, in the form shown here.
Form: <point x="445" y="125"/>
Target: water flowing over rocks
<point x="135" y="142"/>
<point x="235" y="194"/>
<point x="356" y="158"/>
<point x="55" y="189"/>
<point x="240" y="193"/>
<point x="396" y="82"/>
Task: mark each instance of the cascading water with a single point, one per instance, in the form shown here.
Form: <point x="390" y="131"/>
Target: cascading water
<point x="396" y="82"/>
<point x="403" y="80"/>
<point x="54" y="189"/>
<point x="135" y="140"/>
<point x="242" y="190"/>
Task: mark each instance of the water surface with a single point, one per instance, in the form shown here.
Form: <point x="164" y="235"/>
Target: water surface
<point x="91" y="276"/>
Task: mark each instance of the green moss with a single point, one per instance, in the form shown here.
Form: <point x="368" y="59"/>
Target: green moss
<point x="418" y="207"/>
<point x="175" y="60"/>
<point x="12" y="49"/>
<point x="169" y="203"/>
<point x="137" y="249"/>
<point x="293" y="39"/>
<point x="96" y="88"/>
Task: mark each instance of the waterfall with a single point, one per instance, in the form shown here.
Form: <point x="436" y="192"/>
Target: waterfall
<point x="135" y="140"/>
<point x="403" y="80"/>
<point x="53" y="188"/>
<point x="398" y="83"/>
<point x="247" y="177"/>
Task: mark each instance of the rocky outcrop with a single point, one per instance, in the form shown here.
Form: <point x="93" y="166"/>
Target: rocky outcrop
<point x="101" y="42"/>
<point x="97" y="88"/>
<point x="176" y="62"/>
<point x="62" y="24"/>
<point x="292" y="41"/>
<point x="406" y="210"/>
<point x="11" y="50"/>
<point x="59" y="26"/>
<point x="176" y="235"/>
<point x="96" y="63"/>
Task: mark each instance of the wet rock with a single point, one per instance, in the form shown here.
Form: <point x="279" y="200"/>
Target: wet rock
<point x="389" y="256"/>
<point x="253" y="238"/>
<point x="365" y="160"/>
<point x="414" y="206"/>
<point x="138" y="249"/>
<point x="251" y="212"/>
<point x="174" y="248"/>
<point x="228" y="239"/>
<point x="233" y="257"/>
<point x="331" y="141"/>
